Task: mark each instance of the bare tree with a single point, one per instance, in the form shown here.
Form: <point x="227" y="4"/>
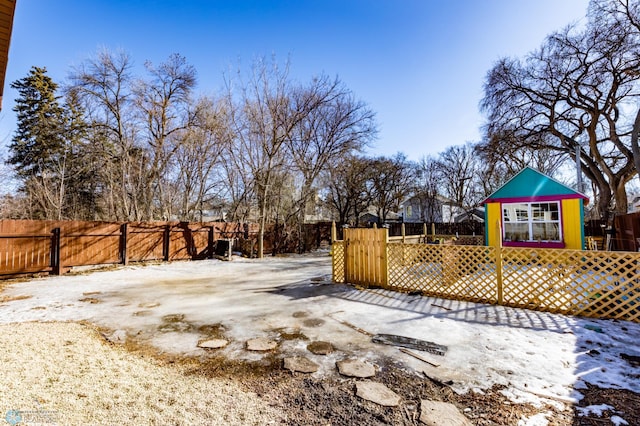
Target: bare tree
<point x="571" y="96"/>
<point x="239" y="185"/>
<point x="268" y="110"/>
<point x="345" y="190"/>
<point x="389" y="181"/>
<point x="621" y="19"/>
<point x="335" y="127"/>
<point x="103" y="86"/>
<point x="263" y="119"/>
<point x="427" y="189"/>
<point x="163" y="104"/>
<point x="199" y="155"/>
<point x="459" y="171"/>
<point x="500" y="161"/>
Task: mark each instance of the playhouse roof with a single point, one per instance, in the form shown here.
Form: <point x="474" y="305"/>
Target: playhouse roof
<point x="531" y="185"/>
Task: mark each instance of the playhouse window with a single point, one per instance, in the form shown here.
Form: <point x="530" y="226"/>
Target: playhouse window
<point x="532" y="222"/>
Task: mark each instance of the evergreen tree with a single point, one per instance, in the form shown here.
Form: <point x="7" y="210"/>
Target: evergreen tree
<point x="39" y="141"/>
<point x="47" y="151"/>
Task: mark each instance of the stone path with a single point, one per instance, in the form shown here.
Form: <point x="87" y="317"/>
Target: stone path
<point x="261" y="344"/>
<point x="437" y="413"/>
<point x="300" y="364"/>
<point x="378" y="393"/>
<point x="356" y="368"/>
<point x="432" y="413"/>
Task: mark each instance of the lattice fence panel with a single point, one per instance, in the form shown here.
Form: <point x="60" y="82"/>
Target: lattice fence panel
<point x="455" y="272"/>
<point x="337" y="258"/>
<point x="595" y="284"/>
<point x="608" y="286"/>
<point x="587" y="283"/>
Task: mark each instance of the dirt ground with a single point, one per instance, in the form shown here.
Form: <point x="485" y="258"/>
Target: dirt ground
<point x="305" y="400"/>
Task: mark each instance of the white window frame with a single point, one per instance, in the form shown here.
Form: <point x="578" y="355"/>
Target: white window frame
<point x="513" y="213"/>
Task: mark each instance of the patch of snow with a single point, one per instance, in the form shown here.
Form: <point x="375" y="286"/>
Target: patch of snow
<point x="539" y="419"/>
<point x="618" y="421"/>
<point x="593" y="409"/>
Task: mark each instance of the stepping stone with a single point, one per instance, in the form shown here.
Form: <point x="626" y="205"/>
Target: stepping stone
<point x="261" y="344"/>
<point x="356" y="368"/>
<point x="437" y="413"/>
<point x="320" y="348"/>
<point x="300" y="364"/>
<point x="213" y="343"/>
<point x="378" y="393"/>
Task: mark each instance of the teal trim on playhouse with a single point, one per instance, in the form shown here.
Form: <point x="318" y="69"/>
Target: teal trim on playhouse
<point x="531" y="184"/>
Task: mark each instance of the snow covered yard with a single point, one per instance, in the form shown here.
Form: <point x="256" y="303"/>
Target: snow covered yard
<point x="537" y="358"/>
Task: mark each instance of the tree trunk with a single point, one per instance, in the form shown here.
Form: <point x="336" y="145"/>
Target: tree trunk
<point x="634" y="143"/>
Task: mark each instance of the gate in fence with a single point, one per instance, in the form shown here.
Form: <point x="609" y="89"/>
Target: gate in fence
<point x="365" y="257"/>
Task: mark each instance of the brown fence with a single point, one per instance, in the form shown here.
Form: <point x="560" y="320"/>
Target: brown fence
<point x="625" y="234"/>
<point x="587" y="283"/>
<point x="28" y="246"/>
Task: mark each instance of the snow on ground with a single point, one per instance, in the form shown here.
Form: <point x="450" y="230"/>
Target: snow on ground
<point x="534" y="354"/>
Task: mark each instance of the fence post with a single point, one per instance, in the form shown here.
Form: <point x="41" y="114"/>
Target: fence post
<point x="498" y="247"/>
<point x="56" y="268"/>
<point x="166" y="240"/>
<point x="124" y="235"/>
<point x="334" y="232"/>
<point x="402" y="230"/>
<point x="210" y="240"/>
<point x="385" y="258"/>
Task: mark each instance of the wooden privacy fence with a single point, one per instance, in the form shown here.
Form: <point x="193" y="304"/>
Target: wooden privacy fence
<point x="28" y="246"/>
<point x="585" y="283"/>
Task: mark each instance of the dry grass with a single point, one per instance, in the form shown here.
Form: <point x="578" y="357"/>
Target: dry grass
<point x="68" y="370"/>
<point x="5" y="299"/>
<point x="6" y="282"/>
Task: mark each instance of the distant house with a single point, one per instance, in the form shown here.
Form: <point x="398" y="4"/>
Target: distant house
<point x="371" y="217"/>
<point x="535" y="210"/>
<point x="473" y="214"/>
<point x="438" y="209"/>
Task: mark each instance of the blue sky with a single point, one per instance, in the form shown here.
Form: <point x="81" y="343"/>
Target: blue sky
<point x="420" y="64"/>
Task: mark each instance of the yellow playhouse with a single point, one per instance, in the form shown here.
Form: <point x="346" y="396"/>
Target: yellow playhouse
<point x="535" y="210"/>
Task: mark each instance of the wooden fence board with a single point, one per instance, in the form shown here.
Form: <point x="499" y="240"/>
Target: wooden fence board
<point x="144" y="242"/>
<point x="21" y="255"/>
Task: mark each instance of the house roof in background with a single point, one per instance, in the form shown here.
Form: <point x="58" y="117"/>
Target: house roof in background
<point x="7" y="10"/>
<point x="530" y="184"/>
